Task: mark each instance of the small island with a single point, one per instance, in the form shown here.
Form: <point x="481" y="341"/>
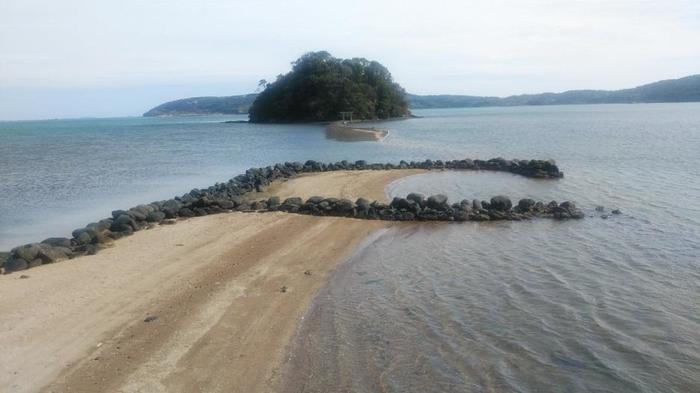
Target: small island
<point x="320" y="87"/>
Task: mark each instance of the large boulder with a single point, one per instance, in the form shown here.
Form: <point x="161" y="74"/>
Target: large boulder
<point x="273" y="202"/>
<point x="27" y="252"/>
<point x="437" y="202"/>
<point x="124" y="223"/>
<point x="57" y="242"/>
<point x="401" y="203"/>
<point x="501" y="202"/>
<point x="136" y="214"/>
<point x="184" y="212"/>
<point x="345" y="206"/>
<point x="417" y="198"/>
<point x="526" y="204"/>
<point x="14" y="265"/>
<point x="171" y="208"/>
<point x="83" y="235"/>
<point x="294" y="201"/>
<point x="155" y="216"/>
<point x="49" y="254"/>
<point x="315" y="200"/>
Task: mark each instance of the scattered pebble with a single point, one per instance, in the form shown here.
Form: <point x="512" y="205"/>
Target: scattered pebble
<point x="599" y="208"/>
<point x="605" y="216"/>
<point x="283" y="289"/>
<point x="99" y="345"/>
<point x="150" y="318"/>
<point x="307" y="272"/>
<point x="179" y="245"/>
<point x="24" y="276"/>
<point x="616" y="211"/>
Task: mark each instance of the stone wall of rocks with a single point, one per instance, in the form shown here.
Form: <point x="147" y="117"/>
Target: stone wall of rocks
<point x="232" y="195"/>
<point x="416" y="207"/>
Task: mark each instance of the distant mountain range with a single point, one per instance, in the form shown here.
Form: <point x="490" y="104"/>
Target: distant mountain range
<point x="685" y="89"/>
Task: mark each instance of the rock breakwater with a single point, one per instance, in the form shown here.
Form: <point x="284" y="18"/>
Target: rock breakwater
<point x="234" y="195"/>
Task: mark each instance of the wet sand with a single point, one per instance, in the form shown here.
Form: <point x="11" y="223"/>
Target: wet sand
<point x="225" y="294"/>
<point x="340" y="132"/>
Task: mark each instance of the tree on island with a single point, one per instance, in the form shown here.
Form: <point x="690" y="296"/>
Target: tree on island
<point x="321" y="86"/>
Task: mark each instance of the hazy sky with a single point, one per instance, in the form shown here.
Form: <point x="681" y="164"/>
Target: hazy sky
<point x="73" y="58"/>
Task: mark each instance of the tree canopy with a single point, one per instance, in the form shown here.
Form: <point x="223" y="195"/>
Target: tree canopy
<point x="320" y="86"/>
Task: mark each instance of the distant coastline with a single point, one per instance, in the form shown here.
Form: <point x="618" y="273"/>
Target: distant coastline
<point x="685" y="89"/>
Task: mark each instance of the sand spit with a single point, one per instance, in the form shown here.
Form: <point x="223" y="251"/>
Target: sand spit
<point x="347" y="133"/>
<point x="209" y="304"/>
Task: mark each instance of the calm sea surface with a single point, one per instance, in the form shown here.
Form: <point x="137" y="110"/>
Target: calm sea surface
<point x="602" y="305"/>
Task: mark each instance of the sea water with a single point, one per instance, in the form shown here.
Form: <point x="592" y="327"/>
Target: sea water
<point x="610" y="305"/>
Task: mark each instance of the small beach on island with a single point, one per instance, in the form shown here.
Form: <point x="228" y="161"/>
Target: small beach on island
<point x="349" y="133"/>
<point x="223" y="295"/>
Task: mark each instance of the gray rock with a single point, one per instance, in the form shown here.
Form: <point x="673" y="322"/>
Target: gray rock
<point x="401" y="203"/>
<point x="501" y="202"/>
<point x="35" y="263"/>
<point x="273" y="202"/>
<point x="57" y="242"/>
<point x="124" y="223"/>
<point x="226" y="205"/>
<point x="476" y="204"/>
<point x="28" y="252"/>
<point x="171" y="208"/>
<point x="117" y="213"/>
<point x="345" y="206"/>
<point x="417" y="198"/>
<point x="49" y="254"/>
<point x="314" y="200"/>
<point x="15" y="265"/>
<point x="437" y="202"/>
<point x="4" y="256"/>
<point x="526" y="204"/>
<point x="83" y="235"/>
<point x="155" y="216"/>
<point x="184" y="212"/>
<point x="362" y="202"/>
<point x="294" y="201"/>
<point x="616" y="211"/>
<point x="137" y="215"/>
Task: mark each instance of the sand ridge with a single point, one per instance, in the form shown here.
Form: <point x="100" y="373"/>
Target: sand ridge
<point x="228" y="291"/>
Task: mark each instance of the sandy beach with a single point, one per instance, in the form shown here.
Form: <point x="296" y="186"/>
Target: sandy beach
<point x="223" y="296"/>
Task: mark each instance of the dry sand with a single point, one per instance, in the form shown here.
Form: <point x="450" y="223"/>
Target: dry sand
<point x="228" y="291"/>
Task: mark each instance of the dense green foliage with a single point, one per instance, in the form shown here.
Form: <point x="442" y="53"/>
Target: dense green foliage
<point x="320" y="86"/>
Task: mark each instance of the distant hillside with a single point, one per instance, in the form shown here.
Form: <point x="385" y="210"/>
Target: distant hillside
<point x="673" y="90"/>
<point x="204" y="106"/>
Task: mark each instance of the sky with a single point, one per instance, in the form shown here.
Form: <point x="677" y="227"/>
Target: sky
<point x="102" y="58"/>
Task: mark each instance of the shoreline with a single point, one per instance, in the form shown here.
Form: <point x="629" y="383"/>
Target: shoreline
<point x="226" y="293"/>
<point x="234" y="195"/>
<point x="349" y="133"/>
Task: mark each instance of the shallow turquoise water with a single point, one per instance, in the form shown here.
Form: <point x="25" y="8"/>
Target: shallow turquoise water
<point x="593" y="305"/>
